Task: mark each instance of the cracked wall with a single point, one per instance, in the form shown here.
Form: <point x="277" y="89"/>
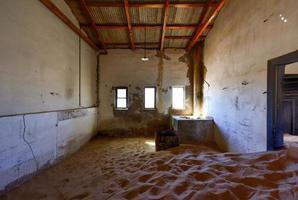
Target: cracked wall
<point x="125" y="68"/>
<point x="245" y="36"/>
<point x="40" y="60"/>
<point x="42" y="117"/>
<point x="29" y="143"/>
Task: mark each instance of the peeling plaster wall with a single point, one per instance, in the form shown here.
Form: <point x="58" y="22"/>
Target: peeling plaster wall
<point x="125" y="68"/>
<point x="29" y="143"/>
<point x="40" y="61"/>
<point x="245" y="36"/>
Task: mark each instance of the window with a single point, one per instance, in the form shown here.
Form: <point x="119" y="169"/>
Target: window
<point x="150" y="98"/>
<point x="121" y="99"/>
<point x="178" y="97"/>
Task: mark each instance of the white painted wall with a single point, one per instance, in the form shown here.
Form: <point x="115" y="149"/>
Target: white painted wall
<point x="125" y="68"/>
<point x="292" y="68"/>
<point x="39" y="72"/>
<point x="39" y="60"/>
<point x="245" y="36"/>
<point x="49" y="136"/>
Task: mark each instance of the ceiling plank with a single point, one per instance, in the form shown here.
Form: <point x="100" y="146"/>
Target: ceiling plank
<point x="142" y="26"/>
<point x="202" y="27"/>
<point x="177" y="37"/>
<point x="86" y="11"/>
<point x="192" y="5"/>
<point x="148" y="4"/>
<point x="56" y="11"/>
<point x="136" y="43"/>
<point x="174" y="27"/>
<point x="165" y="18"/>
<point x="202" y="16"/>
<point x="130" y="34"/>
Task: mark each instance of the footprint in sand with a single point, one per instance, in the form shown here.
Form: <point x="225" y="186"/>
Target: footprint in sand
<point x="201" y="176"/>
<point x="80" y="196"/>
<point x="181" y="187"/>
<point x="144" y="178"/>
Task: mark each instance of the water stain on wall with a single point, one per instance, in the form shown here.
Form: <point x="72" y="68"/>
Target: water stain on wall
<point x="197" y="75"/>
<point x="136" y="120"/>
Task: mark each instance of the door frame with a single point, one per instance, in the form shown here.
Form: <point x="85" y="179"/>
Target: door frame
<point x="275" y="72"/>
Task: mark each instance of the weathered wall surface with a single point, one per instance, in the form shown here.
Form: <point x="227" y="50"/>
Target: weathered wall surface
<point x="245" y="36"/>
<point x="29" y="143"/>
<point x="40" y="61"/>
<point x="125" y="68"/>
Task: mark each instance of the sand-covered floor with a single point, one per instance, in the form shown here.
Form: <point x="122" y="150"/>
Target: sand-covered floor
<point x="130" y="169"/>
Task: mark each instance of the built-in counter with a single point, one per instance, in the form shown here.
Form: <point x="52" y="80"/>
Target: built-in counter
<point x="193" y="130"/>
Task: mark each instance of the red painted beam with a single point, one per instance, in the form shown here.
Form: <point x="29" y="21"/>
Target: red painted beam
<point x="147" y="4"/>
<point x="86" y="11"/>
<point x="191" y="5"/>
<point x="165" y="18"/>
<point x="180" y="37"/>
<point x="136" y="44"/>
<point x="56" y="11"/>
<point x="203" y="26"/>
<point x="178" y="27"/>
<point x="130" y="34"/>
<point x="142" y="26"/>
<point x="203" y="15"/>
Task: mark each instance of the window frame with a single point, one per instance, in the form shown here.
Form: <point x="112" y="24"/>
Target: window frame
<point x="116" y="98"/>
<point x="179" y="86"/>
<point x="155" y="95"/>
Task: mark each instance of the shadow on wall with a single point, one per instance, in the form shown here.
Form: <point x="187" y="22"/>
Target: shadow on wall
<point x="220" y="140"/>
<point x="135" y="121"/>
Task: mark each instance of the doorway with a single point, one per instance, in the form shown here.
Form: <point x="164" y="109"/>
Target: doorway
<point x="282" y="100"/>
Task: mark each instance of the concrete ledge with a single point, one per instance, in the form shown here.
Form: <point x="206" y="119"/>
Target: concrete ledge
<point x="193" y="131"/>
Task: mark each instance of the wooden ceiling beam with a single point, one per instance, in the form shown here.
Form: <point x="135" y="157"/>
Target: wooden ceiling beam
<point x="136" y="43"/>
<point x="148" y="4"/>
<point x="130" y="34"/>
<point x="86" y="12"/>
<point x="180" y="37"/>
<point x="142" y="26"/>
<point x="202" y="16"/>
<point x="165" y="19"/>
<point x="178" y="27"/>
<point x="191" y="5"/>
<point x="202" y="27"/>
<point x="58" y="13"/>
<point x="140" y="47"/>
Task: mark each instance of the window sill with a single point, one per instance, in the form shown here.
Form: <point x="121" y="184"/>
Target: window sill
<point x="122" y="109"/>
<point x="177" y="109"/>
<point x="149" y="109"/>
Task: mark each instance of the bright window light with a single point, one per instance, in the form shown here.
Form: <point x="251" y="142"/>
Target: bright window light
<point x="150" y="97"/>
<point x="121" y="98"/>
<point x="178" y="98"/>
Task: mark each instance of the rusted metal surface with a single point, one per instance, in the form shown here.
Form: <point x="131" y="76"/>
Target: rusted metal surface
<point x="130" y="34"/>
<point x="163" y="33"/>
<point x="112" y="20"/>
<point x="91" y="20"/>
<point x="142" y="26"/>
<point x="203" y="26"/>
<point x="148" y="4"/>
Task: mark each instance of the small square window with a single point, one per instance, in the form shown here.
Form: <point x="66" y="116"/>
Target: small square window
<point x="178" y="98"/>
<point x="121" y="100"/>
<point x="150" y="98"/>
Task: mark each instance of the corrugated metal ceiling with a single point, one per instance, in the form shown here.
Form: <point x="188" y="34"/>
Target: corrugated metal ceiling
<point x="140" y="16"/>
